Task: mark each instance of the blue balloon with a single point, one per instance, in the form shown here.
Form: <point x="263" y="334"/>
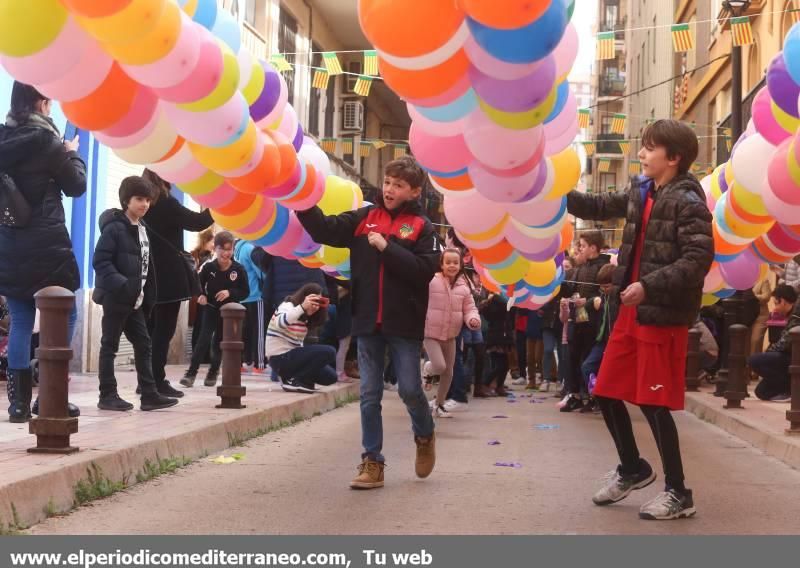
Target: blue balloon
<point x="206" y="13"/>
<point x="724" y="293"/>
<point x="459" y="108"/>
<point x="227" y="29"/>
<point x="556" y="219"/>
<point x="278" y="229"/>
<point x="527" y="44"/>
<point x="562" y="94"/>
<point x="446" y="174"/>
<point x="791" y="53"/>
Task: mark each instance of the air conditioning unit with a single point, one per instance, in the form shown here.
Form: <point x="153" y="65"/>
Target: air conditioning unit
<point x="353" y="116"/>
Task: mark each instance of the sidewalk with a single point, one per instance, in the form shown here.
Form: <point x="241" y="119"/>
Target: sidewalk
<point x="115" y="447"/>
<point x="762" y="424"/>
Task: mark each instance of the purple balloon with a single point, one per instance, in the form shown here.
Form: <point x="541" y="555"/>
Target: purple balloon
<point x="269" y="96"/>
<point x="518" y="95"/>
<point x="307" y="246"/>
<point x="783" y="90"/>
<point x="742" y="272"/>
<point x="538" y="184"/>
<point x="298" y="138"/>
<point x="723" y="183"/>
<point x="545" y="254"/>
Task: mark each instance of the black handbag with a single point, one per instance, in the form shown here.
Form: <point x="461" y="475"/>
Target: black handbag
<point x="189" y="269"/>
<point x="14" y="208"/>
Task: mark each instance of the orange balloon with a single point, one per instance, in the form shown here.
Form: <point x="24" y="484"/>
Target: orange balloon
<point x="493" y="255"/>
<point x="567" y="235"/>
<point x="409" y="28"/>
<point x="744" y="215"/>
<point x="768" y="253"/>
<point x="721" y="246"/>
<point x="505" y="14"/>
<point x="265" y="172"/>
<point x="427" y="83"/>
<point x="179" y="142"/>
<point x="95" y="9"/>
<point x="239" y="204"/>
<point x="152" y="47"/>
<point x="458" y="183"/>
<point x="107" y="105"/>
<point x="288" y="156"/>
<point x="307" y="189"/>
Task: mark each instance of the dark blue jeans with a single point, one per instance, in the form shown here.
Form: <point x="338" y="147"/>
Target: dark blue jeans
<point x="592" y="363"/>
<point x="773" y="368"/>
<point x="458" y="388"/>
<point x="23" y="314"/>
<point x="309" y="364"/>
<point x="405" y="355"/>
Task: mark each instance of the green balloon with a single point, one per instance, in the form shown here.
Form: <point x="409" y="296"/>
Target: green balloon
<point x="570" y="9"/>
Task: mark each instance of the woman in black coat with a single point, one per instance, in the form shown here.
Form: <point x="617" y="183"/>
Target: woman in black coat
<point x="40" y="254"/>
<point x="167" y="219"/>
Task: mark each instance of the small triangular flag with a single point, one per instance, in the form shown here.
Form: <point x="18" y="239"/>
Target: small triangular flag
<point x="682" y="38"/>
<point x="328" y="144"/>
<point x="584" y="115"/>
<point x="347" y="146"/>
<point x="741" y="31"/>
<point x="321" y="79"/>
<point x="279" y="62"/>
<point x="363" y="85"/>
<point x="400" y="150"/>
<point x="331" y="63"/>
<point x="364" y="149"/>
<point x="618" y="123"/>
<point x="378" y="144"/>
<point x="606" y="48"/>
<point x="371" y="63"/>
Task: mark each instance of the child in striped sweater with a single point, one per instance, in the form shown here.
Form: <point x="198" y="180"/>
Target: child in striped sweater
<point x="300" y="367"/>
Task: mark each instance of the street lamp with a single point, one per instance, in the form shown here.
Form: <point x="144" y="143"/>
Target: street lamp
<point x="736" y="8"/>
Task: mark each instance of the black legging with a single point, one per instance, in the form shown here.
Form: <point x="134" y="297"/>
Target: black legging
<point x="161" y="325"/>
<point x="499" y="362"/>
<point x="580" y="345"/>
<point x="479" y="352"/>
<point x="664" y="430"/>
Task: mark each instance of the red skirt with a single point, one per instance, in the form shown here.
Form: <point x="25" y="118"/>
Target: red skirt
<point x="644" y="364"/>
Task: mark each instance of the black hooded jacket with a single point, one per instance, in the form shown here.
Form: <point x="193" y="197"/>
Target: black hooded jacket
<point x="389" y="288"/>
<point x="39" y="255"/>
<point x="118" y="265"/>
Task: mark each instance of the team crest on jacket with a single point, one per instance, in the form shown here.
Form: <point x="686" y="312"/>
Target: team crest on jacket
<point x="406" y="231"/>
<point x="234" y="276"/>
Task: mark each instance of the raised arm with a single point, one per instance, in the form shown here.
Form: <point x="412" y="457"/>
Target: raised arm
<point x="597" y="207"/>
<point x="331" y="230"/>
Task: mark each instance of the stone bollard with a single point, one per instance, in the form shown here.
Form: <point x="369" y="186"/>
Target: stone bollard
<point x="53" y="427"/>
<point x="793" y="414"/>
<point x="737" y="366"/>
<point x="693" y="361"/>
<point x="231" y="390"/>
<point x="732" y="307"/>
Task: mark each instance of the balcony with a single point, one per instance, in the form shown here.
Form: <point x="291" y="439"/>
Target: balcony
<point x="612" y="86"/>
<point x="608" y="144"/>
<point x="254" y="41"/>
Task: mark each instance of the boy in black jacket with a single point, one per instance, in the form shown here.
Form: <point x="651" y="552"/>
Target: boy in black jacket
<point x="125" y="287"/>
<point x="223" y="280"/>
<point x="393" y="254"/>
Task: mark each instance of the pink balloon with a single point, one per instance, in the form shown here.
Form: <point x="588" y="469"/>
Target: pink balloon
<point x="764" y="119"/>
<point x="498" y="147"/>
<point x="144" y="107"/>
<point x="437" y="128"/>
<point x="289" y="240"/>
<point x="474" y="213"/>
<point x="54" y="61"/>
<point x="557" y="144"/>
<point x="713" y="280"/>
<point x="287" y="187"/>
<point x="133" y="139"/>
<point x="220" y="197"/>
<point x="494" y="67"/>
<point x="537" y="250"/>
<point x="312" y="154"/>
<point x="784" y="239"/>
<point x="262" y="217"/>
<point x="438" y="153"/>
<point x="277" y="111"/>
<point x="566" y="52"/>
<point x="523" y="168"/>
<point x="201" y="80"/>
<point x="742" y="272"/>
<point x="177" y="65"/>
<point x="504" y="189"/>
<point x="289" y="122"/>
<point x="311" y="200"/>
<point x="537" y="211"/>
<point x="210" y="128"/>
<point x="455" y="92"/>
<point x="83" y="79"/>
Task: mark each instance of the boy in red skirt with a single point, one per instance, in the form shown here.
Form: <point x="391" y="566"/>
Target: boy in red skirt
<point x="667" y="249"/>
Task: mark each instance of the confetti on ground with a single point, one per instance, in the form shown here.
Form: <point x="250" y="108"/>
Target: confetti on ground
<point x="511" y="400"/>
<point x="536" y="401"/>
<point x="499" y="416"/>
<point x="494" y="442"/>
<point x="546" y="426"/>
<point x="515" y="465"/>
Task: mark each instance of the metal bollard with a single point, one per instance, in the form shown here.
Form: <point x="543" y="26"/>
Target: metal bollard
<point x="793" y="414"/>
<point x="53" y="427"/>
<point x="732" y="307"/>
<point x="737" y="366"/>
<point x="231" y="390"/>
<point x="693" y="361"/>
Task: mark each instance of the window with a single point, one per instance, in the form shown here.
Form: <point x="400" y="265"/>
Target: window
<point x="611" y="17"/>
<point x="607" y="180"/>
<point x="250" y="12"/>
<point x="315" y="96"/>
<point x="287" y="44"/>
<point x="330" y="107"/>
<point x="349" y="83"/>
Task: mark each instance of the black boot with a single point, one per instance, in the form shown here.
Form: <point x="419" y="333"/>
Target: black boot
<point x="211" y="378"/>
<point x="156" y="401"/>
<point x="72" y="410"/>
<point x="20" y="392"/>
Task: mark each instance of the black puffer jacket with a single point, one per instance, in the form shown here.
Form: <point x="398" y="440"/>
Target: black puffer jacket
<point x="166" y="221"/>
<point x="678" y="248"/>
<point x="118" y="265"/>
<point x="39" y="255"/>
<point x="390" y="288"/>
<point x="585" y="273"/>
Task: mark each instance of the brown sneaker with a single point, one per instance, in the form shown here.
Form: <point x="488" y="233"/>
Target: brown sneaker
<point x="370" y="475"/>
<point x="426" y="455"/>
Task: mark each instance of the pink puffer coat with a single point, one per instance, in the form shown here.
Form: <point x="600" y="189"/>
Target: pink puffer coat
<point x="448" y="308"/>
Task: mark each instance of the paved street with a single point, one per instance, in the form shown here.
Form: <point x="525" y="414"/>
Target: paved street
<point x="295" y="482"/>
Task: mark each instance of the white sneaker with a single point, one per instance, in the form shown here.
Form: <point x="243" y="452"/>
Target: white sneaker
<point x="389" y="387"/>
<point x="432" y="403"/>
<point x="441" y="412"/>
<point x="451" y="405"/>
<point x="520" y="381"/>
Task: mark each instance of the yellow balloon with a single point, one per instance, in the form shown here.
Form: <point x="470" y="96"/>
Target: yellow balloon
<point x="153" y="148"/>
<point x="522" y="120"/>
<point x="742" y="228"/>
<point x="333" y="256"/>
<point x="750" y="202"/>
<point x="190" y="7"/>
<point x="709" y="300"/>
<point x="787" y="121"/>
<point x="489" y="233"/>
<point x="255" y="84"/>
<point x="567" y="167"/>
<point x="133" y="22"/>
<point x="230" y="157"/>
<point x="225" y="89"/>
<point x="203" y="185"/>
<point x="716" y="190"/>
<point x="338" y="196"/>
<point x="240" y="220"/>
<point x="154" y="45"/>
<point x="540" y="274"/>
<point x="513" y="273"/>
<point x="28" y="26"/>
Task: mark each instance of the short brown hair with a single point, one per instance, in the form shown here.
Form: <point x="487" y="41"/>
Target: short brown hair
<point x="676" y="138"/>
<point x="593" y="238"/>
<point x="408" y="170"/>
<point x="223" y="238"/>
<point x="134" y="186"/>
<point x="158" y="182"/>
<point x="605" y="274"/>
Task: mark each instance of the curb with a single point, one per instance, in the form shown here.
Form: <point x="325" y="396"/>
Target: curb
<point x="783" y="447"/>
<point x="28" y="501"/>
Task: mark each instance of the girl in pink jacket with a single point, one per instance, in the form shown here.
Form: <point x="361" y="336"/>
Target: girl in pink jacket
<point x="450" y="306"/>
